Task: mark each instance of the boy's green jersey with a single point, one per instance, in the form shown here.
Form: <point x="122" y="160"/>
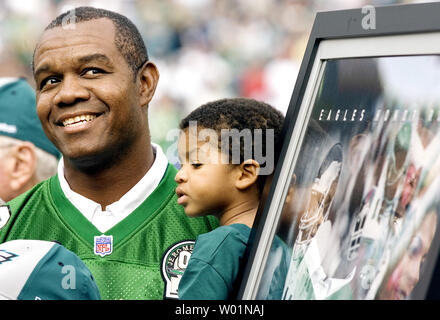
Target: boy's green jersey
<point x="129" y="265"/>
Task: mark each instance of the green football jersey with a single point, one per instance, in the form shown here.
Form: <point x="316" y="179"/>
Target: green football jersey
<point x="136" y="259"/>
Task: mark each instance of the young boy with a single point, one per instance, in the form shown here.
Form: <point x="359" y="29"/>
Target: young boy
<point x="220" y="176"/>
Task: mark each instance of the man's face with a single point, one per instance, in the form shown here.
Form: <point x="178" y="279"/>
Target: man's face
<point x="87" y="98"/>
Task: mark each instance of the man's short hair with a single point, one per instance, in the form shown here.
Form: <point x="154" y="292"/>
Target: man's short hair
<point x="128" y="39"/>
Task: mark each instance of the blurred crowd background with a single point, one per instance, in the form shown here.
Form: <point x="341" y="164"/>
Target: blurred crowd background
<point x="204" y="49"/>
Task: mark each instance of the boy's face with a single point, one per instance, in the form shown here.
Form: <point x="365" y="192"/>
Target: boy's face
<point x="206" y="182"/>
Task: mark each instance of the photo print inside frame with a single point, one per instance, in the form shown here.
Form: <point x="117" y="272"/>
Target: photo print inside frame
<point x="353" y="211"/>
<point x="367" y="222"/>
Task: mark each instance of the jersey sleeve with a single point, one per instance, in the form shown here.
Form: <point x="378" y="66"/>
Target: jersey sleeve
<point x="202" y="282"/>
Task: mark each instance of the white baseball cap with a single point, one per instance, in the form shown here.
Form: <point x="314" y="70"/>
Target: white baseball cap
<point x="43" y="270"/>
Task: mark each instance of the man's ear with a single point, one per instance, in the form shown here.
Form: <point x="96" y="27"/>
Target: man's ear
<point x="247" y="174"/>
<point x="149" y="77"/>
<point x="24" y="165"/>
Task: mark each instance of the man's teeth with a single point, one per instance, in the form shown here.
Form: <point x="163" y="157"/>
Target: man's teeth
<point x="76" y="121"/>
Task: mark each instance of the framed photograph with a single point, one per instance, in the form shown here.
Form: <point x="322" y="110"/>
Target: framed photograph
<point x="353" y="208"/>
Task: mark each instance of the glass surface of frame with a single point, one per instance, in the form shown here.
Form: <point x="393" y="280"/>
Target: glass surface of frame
<point x="354" y="212"/>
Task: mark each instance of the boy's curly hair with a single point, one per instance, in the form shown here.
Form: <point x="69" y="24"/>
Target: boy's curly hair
<point x="239" y="114"/>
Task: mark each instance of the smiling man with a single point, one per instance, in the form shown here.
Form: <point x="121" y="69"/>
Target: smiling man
<point x="112" y="201"/>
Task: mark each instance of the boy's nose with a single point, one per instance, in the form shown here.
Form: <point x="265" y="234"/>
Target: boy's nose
<point x="180" y="176"/>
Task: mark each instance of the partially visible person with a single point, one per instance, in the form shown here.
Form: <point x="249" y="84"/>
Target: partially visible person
<point x="112" y="201"/>
<point x="211" y="181"/>
<point x="43" y="270"/>
<point x="400" y="284"/>
<point x="27" y="157"/>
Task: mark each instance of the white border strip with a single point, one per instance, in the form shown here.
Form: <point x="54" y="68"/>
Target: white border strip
<point x="397" y="45"/>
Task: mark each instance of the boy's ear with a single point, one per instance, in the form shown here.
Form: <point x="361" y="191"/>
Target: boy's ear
<point x="247" y="174"/>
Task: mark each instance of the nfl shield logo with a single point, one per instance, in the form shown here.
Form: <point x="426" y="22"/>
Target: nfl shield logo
<point x="103" y="245"/>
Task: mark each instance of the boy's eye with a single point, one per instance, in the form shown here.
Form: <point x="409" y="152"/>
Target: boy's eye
<point x="196" y="165"/>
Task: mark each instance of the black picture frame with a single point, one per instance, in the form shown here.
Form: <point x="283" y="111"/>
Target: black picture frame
<point x="392" y="20"/>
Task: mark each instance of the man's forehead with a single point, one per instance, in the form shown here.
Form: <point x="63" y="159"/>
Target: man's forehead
<point x="88" y="39"/>
<point x="97" y="26"/>
<point x="92" y="31"/>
